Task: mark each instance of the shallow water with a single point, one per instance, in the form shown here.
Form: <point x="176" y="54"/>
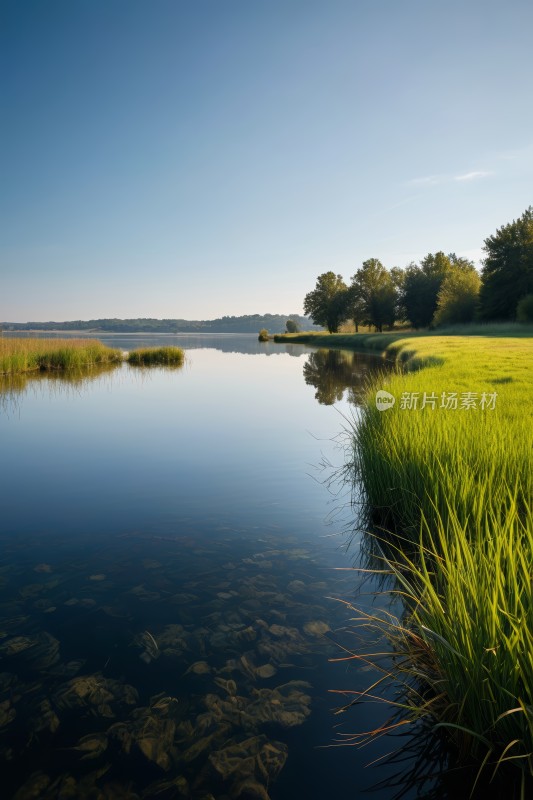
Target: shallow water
<point x="169" y="591"/>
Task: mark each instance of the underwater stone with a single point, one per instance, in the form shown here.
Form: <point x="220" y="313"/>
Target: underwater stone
<point x="316" y="627"/>
<point x="36" y="784"/>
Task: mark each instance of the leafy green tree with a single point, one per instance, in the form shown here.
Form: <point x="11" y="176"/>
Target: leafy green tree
<point x="458" y="296"/>
<point x="291" y="326"/>
<point x="373" y="295"/>
<point x="422" y="285"/>
<point x="524" y="309"/>
<point x="355" y="308"/>
<point x="398" y="279"/>
<point x="326" y="304"/>
<point x="507" y="273"/>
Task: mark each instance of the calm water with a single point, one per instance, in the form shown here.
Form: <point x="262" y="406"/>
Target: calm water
<point x="168" y="580"/>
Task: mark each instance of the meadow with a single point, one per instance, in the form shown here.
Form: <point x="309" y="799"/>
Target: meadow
<point x="22" y="355"/>
<point x="447" y="473"/>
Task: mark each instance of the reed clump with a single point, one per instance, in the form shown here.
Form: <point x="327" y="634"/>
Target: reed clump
<point x="18" y="355"/>
<point x="451" y="487"/>
<point x="154" y="356"/>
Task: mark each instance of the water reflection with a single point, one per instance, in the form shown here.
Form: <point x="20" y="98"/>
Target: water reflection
<point x="49" y="383"/>
<point x="333" y="372"/>
<point x="225" y="343"/>
<point x="165" y="587"/>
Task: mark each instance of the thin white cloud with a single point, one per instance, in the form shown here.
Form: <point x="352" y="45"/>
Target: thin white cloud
<point x="428" y="180"/>
<point x="437" y="180"/>
<point x="521" y="154"/>
<point x="471" y="176"/>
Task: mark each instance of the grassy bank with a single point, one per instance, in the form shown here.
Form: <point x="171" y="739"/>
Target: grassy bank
<point x="382" y="342"/>
<point x="153" y="356"/>
<point x="29" y="355"/>
<point x="455" y="485"/>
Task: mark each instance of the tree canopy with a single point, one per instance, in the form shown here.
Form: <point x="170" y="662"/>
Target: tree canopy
<point x="507" y="273"/>
<point x="423" y="282"/>
<point x="458" y="297"/>
<point x="326" y="304"/>
<point x="372" y="297"/>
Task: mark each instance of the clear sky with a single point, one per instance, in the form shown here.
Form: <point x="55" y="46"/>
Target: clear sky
<point x="195" y="158"/>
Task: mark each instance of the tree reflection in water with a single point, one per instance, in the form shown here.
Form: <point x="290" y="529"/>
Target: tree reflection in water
<point x="332" y="372"/>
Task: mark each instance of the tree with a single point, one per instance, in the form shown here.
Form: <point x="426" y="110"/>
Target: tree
<point x="355" y="308"/>
<point x="326" y="304"/>
<point x="507" y="273"/>
<point x="398" y="280"/>
<point x="372" y="295"/>
<point x="422" y="285"/>
<point x="291" y="326"/>
<point x="458" y="296"/>
<point x="524" y="309"/>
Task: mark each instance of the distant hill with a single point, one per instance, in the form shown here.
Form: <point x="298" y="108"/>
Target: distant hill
<point x="250" y="323"/>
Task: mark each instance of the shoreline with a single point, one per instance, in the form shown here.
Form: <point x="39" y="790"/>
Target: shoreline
<point x="450" y="489"/>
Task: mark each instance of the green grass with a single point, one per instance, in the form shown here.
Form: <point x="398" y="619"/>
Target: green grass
<point x="26" y="355"/>
<point x="455" y="486"/>
<point x="18" y="355"/>
<point x="381" y="341"/>
<point x="153" y="356"/>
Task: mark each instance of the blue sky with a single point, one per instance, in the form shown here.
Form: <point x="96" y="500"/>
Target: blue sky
<point x="195" y="158"/>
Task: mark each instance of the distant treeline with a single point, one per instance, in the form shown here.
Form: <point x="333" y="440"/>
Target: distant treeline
<point x="250" y="323"/>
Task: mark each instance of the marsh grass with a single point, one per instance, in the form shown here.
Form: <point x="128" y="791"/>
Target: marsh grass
<point x="451" y="489"/>
<point x="25" y="355"/>
<point x="153" y="356"/>
<point x="29" y="354"/>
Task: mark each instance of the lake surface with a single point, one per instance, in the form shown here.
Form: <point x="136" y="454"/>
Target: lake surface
<point x="170" y="582"/>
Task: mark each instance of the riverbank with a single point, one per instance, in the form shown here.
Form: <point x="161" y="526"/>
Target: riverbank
<point x="447" y="470"/>
<point x="32" y="355"/>
<point x="384" y="342"/>
<point x="449" y="466"/>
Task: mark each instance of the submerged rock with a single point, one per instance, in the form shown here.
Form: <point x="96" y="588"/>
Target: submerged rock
<point x="199" y="668"/>
<point x="45" y="718"/>
<point x="248" y="766"/>
<point x="38" y="652"/>
<point x="101" y="695"/>
<point x="316" y="627"/>
<point x="7" y="713"/>
<point x="266" y="671"/>
<point x="34" y="787"/>
<point x="175" y="787"/>
<point x="92" y="745"/>
<point x="172" y="641"/>
<point x="229" y="686"/>
<point x="151" y="731"/>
